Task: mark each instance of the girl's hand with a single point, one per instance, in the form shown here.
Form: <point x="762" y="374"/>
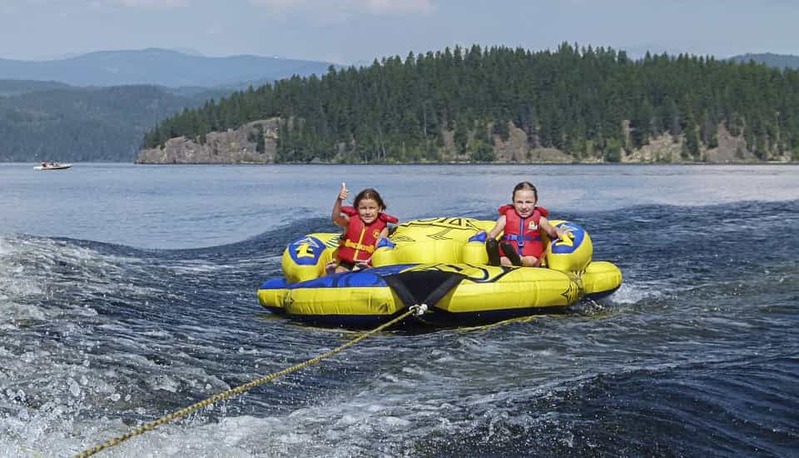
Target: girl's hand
<point x="563" y="235"/>
<point x="343" y="193"/>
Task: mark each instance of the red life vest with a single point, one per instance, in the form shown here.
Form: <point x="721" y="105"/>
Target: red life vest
<point x="524" y="233"/>
<point x="359" y="240"/>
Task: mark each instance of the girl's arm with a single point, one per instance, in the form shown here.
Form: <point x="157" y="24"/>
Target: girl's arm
<point x="553" y="232"/>
<point x="498" y="227"/>
<point x="340" y="219"/>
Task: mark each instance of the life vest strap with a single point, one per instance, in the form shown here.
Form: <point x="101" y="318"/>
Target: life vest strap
<point x="522" y="238"/>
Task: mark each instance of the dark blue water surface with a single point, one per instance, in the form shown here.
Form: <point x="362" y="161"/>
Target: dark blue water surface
<point x="128" y="292"/>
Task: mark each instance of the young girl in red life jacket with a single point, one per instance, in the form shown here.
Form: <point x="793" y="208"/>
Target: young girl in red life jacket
<point x="523" y="223"/>
<point x="364" y="225"/>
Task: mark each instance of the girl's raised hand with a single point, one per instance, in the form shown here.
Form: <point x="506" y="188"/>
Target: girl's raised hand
<point x="343" y="193"/>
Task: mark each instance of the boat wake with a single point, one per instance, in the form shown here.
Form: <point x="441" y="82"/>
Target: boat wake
<point x="97" y="338"/>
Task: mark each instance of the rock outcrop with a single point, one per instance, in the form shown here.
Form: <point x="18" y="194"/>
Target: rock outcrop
<point x="256" y="143"/>
<point x="240" y="146"/>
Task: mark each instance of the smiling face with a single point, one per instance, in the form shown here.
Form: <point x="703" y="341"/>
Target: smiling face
<point x="524" y="201"/>
<point x="369" y="204"/>
<point x="368" y="210"/>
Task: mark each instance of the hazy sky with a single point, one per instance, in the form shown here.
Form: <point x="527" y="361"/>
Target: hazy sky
<point x="357" y="31"/>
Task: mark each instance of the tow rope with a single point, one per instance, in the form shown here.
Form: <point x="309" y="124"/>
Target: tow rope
<point x="414" y="309"/>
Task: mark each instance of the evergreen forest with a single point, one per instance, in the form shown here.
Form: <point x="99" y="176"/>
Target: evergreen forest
<point x="587" y="102"/>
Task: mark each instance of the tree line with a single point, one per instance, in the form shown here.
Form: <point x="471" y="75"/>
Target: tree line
<point x="588" y="102"/>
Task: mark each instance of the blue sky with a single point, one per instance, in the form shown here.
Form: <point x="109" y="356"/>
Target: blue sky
<point x="357" y="31"/>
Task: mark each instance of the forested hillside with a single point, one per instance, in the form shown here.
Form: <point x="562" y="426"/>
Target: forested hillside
<point x="587" y="102"/>
<point x="17" y="87"/>
<point x="83" y="124"/>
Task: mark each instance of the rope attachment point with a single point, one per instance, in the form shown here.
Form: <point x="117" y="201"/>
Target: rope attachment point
<point x="418" y="309"/>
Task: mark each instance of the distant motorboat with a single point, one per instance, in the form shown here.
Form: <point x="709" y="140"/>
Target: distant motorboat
<point x="51" y="166"/>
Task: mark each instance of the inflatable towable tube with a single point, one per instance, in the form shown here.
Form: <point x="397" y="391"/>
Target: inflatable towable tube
<point x="440" y="262"/>
<point x="434" y="240"/>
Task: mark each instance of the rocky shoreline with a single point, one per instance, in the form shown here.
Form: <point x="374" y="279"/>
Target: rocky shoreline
<point x="240" y="146"/>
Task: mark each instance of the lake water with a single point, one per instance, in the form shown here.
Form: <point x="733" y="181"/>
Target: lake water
<point x="128" y="292"/>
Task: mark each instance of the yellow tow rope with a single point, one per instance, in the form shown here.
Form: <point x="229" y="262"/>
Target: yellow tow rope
<point x="416" y="309"/>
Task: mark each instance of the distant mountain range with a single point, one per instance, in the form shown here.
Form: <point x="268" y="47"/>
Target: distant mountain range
<point x="17" y="87"/>
<point x="770" y="60"/>
<point x="191" y="73"/>
<point x="97" y="106"/>
<point x="159" y="67"/>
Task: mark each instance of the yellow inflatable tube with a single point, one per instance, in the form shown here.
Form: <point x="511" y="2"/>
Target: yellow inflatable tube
<point x="429" y="241"/>
<point x="439" y="261"/>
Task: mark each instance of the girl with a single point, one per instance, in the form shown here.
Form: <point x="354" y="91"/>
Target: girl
<point x="523" y="223"/>
<point x="364" y="225"/>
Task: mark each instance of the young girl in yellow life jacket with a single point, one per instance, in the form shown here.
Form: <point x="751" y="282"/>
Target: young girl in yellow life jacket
<point x="364" y="225"/>
<point x="523" y="223"/>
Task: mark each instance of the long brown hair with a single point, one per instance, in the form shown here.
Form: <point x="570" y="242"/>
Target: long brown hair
<point x="369" y="193"/>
